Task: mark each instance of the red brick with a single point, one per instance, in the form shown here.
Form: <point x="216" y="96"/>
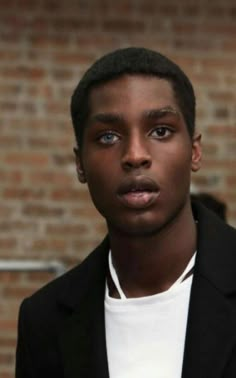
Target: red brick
<point x="50" y="245"/>
<point x="7" y="243"/>
<point x="6" y="358"/>
<point x="52" y="142"/>
<point x="10" y="89"/>
<point x="5" y="210"/>
<point x="221" y="131"/>
<point x="227" y="165"/>
<point x="14" y="177"/>
<point x="6" y="342"/>
<point x="63" y="159"/>
<point x="57" y="107"/>
<point x="86" y="210"/>
<point x="46" y="91"/>
<point x="30" y="158"/>
<point x="23" y="72"/>
<point x="7" y="324"/>
<point x="19" y="225"/>
<point x="229" y="45"/>
<point x="219" y="28"/>
<point x="19" y="292"/>
<point x="82" y="247"/>
<point x="123" y="25"/>
<point x="216" y="63"/>
<point x="8" y="56"/>
<point x="41" y="277"/>
<point x="8" y="277"/>
<point x="183" y="27"/>
<point x="222" y="96"/>
<point x="52" y="41"/>
<point x="69" y="194"/>
<point x="74" y="24"/>
<point x="23" y="193"/>
<point x="192" y="11"/>
<point x="8" y="106"/>
<point x="67" y="230"/>
<point x="9" y="141"/>
<point x="51" y="177"/>
<point x="64" y="74"/>
<point x="212" y="180"/>
<point x="209" y="149"/>
<point x="73" y="57"/>
<point x="35" y="210"/>
<point x="7" y="374"/>
<point x="231" y="180"/>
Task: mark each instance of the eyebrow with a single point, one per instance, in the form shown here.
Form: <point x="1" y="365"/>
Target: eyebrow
<point x="107" y="118"/>
<point x="162" y="112"/>
<point x="149" y="114"/>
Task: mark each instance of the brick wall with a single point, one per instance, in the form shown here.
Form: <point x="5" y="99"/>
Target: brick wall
<point x="45" y="46"/>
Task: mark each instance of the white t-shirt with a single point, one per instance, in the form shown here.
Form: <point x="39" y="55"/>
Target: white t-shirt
<point x="145" y="336"/>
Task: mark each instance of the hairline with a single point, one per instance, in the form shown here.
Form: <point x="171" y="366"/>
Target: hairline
<point x="96" y="84"/>
<point x="132" y="61"/>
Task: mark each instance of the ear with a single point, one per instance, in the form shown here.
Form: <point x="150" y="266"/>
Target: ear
<point x="79" y="166"/>
<point x="196" y="153"/>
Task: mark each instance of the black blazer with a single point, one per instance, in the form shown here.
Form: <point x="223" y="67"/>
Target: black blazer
<point x="61" y="327"/>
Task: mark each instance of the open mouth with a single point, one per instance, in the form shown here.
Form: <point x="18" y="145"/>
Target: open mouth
<point x="138" y="192"/>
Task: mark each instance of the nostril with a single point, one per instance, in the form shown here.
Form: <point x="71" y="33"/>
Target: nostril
<point x="146" y="162"/>
<point x="136" y="163"/>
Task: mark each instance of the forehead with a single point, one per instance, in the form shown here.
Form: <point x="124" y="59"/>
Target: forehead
<point x="128" y="91"/>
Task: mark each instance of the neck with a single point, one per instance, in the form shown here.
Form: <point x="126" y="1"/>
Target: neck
<point x="147" y="265"/>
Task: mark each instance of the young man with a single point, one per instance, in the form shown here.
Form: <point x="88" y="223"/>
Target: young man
<point x="157" y="297"/>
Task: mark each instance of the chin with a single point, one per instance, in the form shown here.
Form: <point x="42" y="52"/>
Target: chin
<point x="141" y="228"/>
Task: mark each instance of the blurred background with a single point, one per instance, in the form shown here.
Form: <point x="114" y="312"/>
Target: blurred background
<point x="47" y="222"/>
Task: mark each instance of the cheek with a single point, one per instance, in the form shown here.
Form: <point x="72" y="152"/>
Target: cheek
<point x="100" y="168"/>
<point x="101" y="186"/>
<point x="176" y="172"/>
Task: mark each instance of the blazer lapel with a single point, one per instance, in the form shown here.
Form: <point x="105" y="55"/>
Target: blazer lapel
<point x="82" y="340"/>
<point x="210" y="335"/>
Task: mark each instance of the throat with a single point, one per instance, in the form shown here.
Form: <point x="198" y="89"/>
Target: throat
<point x="116" y="290"/>
<point x="152" y="265"/>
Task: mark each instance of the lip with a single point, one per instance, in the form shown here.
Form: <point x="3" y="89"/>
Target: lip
<point x="138" y="192"/>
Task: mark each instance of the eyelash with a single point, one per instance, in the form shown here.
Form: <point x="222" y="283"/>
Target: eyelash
<point x="105" y="134"/>
<point x="167" y="130"/>
<point x="112" y="134"/>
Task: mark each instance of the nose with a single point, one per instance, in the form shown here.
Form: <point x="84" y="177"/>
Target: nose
<point x="136" y="155"/>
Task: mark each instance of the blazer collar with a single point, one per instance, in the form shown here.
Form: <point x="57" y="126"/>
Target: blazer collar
<point x="82" y="340"/>
<point x="86" y="277"/>
<point x="216" y="246"/>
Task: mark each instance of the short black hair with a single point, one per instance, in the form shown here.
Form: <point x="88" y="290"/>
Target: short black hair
<point x="132" y="60"/>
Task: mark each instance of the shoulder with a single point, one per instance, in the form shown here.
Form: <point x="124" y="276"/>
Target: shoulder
<point x="211" y="225"/>
<point x="216" y="245"/>
<point x="70" y="287"/>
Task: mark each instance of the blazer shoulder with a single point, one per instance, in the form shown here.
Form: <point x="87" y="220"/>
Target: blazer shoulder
<point x="73" y="283"/>
<point x="216" y="244"/>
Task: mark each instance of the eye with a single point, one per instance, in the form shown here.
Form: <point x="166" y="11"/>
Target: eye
<point x="108" y="138"/>
<point x="161" y="132"/>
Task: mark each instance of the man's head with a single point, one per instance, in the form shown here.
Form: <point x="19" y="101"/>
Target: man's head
<point x="137" y="155"/>
<point x="132" y="61"/>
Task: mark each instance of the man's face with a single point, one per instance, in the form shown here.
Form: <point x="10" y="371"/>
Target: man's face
<point x="137" y="155"/>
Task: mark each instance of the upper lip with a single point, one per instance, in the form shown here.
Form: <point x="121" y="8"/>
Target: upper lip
<point x="138" y="183"/>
